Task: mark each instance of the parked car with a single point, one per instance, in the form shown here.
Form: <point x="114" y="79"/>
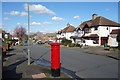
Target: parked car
<point x="50" y="42"/>
<point x="39" y="42"/>
<point x="89" y="43"/>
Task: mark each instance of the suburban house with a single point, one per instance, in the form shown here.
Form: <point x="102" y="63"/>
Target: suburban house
<point x="78" y="33"/>
<point x="98" y="29"/>
<point x="14" y="37"/>
<point x="6" y="35"/>
<point x="112" y="41"/>
<point x="3" y="35"/>
<point x="65" y="33"/>
<point x="50" y="36"/>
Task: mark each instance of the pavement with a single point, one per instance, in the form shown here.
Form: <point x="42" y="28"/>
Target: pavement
<point x="15" y="66"/>
<point x="104" y="51"/>
<point x="79" y="62"/>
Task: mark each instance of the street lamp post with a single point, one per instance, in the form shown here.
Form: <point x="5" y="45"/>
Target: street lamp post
<point x="28" y="37"/>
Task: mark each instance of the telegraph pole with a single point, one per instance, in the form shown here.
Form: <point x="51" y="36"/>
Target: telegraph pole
<point x="28" y="37"/>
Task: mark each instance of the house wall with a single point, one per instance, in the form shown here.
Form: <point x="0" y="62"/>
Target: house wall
<point x="6" y="36"/>
<point x="102" y="31"/>
<point x="112" y="42"/>
<point x="69" y="34"/>
<point x="58" y="35"/>
<point x="78" y="33"/>
<point x="62" y="35"/>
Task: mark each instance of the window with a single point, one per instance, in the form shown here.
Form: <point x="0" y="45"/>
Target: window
<point x="83" y="41"/>
<point x="107" y="28"/>
<point x="96" y="28"/>
<point x="94" y="42"/>
<point x="87" y="30"/>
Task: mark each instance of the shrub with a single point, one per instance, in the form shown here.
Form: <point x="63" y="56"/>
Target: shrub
<point x="78" y="45"/>
<point x="114" y="49"/>
<point x="74" y="45"/>
<point x="22" y="44"/>
<point x="66" y="42"/>
<point x="71" y="45"/>
<point x="7" y="41"/>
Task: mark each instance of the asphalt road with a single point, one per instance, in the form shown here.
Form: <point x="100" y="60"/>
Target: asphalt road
<point x="84" y="65"/>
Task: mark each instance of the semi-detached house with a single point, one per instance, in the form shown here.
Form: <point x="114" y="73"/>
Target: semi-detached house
<point x="66" y="33"/>
<point x="98" y="29"/>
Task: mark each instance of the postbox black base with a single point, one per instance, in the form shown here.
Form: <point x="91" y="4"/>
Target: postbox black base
<point x="55" y="72"/>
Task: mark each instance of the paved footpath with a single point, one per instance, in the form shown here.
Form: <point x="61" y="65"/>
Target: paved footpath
<point x="15" y="66"/>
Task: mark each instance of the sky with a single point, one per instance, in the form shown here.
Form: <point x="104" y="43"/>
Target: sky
<point x="50" y="17"/>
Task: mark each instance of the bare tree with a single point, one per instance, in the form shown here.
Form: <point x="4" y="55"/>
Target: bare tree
<point x="20" y="33"/>
<point x="40" y="36"/>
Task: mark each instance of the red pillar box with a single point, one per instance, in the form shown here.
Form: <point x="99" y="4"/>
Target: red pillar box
<point x="55" y="59"/>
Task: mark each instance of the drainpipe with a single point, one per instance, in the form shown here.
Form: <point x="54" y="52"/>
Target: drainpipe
<point x="99" y="41"/>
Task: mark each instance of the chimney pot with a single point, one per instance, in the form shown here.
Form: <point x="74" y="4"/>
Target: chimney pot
<point x="94" y="16"/>
<point x="68" y="25"/>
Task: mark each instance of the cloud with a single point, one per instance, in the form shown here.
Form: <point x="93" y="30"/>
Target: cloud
<point x="57" y="19"/>
<point x="24" y="14"/>
<point x="76" y="17"/>
<point x="3" y="25"/>
<point x="46" y="23"/>
<point x="13" y="13"/>
<point x="35" y="24"/>
<point x="39" y="9"/>
<point x="18" y="24"/>
<point x="6" y="18"/>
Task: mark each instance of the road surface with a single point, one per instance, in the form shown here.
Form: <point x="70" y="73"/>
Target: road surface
<point x="84" y="65"/>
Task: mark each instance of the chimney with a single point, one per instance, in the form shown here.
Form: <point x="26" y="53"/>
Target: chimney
<point x="94" y="16"/>
<point x="68" y="25"/>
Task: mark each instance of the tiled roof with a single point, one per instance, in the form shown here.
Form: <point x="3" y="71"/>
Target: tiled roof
<point x="86" y="23"/>
<point x="99" y="21"/>
<point x="51" y="34"/>
<point x="115" y="31"/>
<point x="3" y="31"/>
<point x="104" y="21"/>
<point x="69" y="29"/>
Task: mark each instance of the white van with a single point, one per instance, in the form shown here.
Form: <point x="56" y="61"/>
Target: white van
<point x="89" y="43"/>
